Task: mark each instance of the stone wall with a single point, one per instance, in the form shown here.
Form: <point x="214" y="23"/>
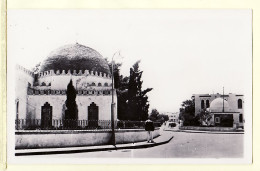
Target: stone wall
<point x="74" y="138"/>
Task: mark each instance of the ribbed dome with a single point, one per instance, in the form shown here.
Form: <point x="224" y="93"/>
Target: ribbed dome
<point x="217" y="105"/>
<point x="75" y="57"/>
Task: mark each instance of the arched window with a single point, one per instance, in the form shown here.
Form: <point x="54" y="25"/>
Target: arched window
<point x="106" y="84"/>
<point x="43" y="84"/>
<point x="93" y="84"/>
<point x="240" y="118"/>
<point x="239" y="104"/>
<point x="99" y="84"/>
<point x="202" y="104"/>
<point x="207" y="103"/>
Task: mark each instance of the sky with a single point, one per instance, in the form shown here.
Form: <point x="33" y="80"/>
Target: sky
<point x="182" y="52"/>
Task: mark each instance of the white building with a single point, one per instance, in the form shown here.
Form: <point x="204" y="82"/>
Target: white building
<point x="226" y="110"/>
<point x="43" y="96"/>
<point x="173" y="117"/>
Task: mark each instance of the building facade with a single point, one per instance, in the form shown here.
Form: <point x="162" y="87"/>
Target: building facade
<point x="42" y="96"/>
<point x="226" y="110"/>
<point x="173" y="116"/>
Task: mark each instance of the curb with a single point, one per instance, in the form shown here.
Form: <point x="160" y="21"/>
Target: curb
<point x="206" y="132"/>
<point x="93" y="149"/>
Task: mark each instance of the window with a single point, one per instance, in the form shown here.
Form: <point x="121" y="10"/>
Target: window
<point x="239" y="104"/>
<point x="240" y="118"/>
<point x="43" y="84"/>
<point x="207" y="103"/>
<point x="106" y="84"/>
<point x="93" y="84"/>
<point x="217" y="120"/>
<point x="99" y="84"/>
<point x="202" y="104"/>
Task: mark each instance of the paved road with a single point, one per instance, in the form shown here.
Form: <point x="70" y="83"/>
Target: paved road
<point x="183" y="145"/>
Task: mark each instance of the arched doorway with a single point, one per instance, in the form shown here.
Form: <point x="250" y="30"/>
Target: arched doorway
<point x="93" y="115"/>
<point x="46" y="116"/>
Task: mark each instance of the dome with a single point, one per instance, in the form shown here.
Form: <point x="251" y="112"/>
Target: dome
<point x="75" y="57"/>
<point x="217" y="105"/>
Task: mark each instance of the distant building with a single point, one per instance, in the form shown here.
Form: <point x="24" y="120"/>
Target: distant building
<point x="226" y="110"/>
<point x="173" y="117"/>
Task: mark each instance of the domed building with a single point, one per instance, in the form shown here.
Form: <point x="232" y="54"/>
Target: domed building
<point x="218" y="104"/>
<point x="226" y="110"/>
<point x="43" y="96"/>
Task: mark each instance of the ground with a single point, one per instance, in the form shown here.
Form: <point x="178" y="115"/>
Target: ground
<point x="183" y="145"/>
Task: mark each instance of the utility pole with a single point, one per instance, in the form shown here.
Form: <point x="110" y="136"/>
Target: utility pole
<point x="113" y="139"/>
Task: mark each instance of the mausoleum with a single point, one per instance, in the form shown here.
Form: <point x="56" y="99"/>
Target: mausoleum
<point x="42" y="96"/>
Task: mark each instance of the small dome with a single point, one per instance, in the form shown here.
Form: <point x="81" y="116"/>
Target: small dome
<point x="75" y="57"/>
<point x="217" y="105"/>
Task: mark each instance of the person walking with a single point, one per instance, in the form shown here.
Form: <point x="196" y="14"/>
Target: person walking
<point x="149" y="127"/>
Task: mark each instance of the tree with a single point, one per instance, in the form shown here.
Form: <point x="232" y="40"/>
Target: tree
<point x="204" y="117"/>
<point x="187" y="112"/>
<point x="71" y="112"/>
<point x="132" y="100"/>
<point x="138" y="104"/>
<point x="36" y="70"/>
<point x="157" y="117"/>
<point x="154" y="115"/>
<point x="188" y="106"/>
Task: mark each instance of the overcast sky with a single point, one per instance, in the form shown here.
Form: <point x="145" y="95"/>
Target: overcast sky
<point x="182" y="52"/>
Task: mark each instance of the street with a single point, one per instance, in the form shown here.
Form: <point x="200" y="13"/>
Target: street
<point x="183" y="145"/>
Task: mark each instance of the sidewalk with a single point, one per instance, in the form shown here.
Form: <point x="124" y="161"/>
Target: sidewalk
<point x="164" y="138"/>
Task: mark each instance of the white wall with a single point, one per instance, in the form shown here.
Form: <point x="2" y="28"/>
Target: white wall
<point x="40" y="139"/>
<point x="83" y="101"/>
<point x="22" y="78"/>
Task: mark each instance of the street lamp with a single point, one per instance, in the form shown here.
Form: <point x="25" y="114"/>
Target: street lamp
<point x="113" y="139"/>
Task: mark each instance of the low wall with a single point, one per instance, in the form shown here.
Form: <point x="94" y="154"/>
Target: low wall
<point x="26" y="139"/>
<point x="223" y="129"/>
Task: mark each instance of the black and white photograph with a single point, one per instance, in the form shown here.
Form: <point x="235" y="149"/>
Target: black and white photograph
<point x="132" y="86"/>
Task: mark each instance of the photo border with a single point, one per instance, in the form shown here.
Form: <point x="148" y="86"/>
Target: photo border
<point x="128" y="4"/>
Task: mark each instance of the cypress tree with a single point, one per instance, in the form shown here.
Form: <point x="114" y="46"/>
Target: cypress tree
<point x="138" y="104"/>
<point x="71" y="113"/>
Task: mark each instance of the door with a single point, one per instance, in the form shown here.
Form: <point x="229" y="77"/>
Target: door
<point x="46" y="116"/>
<point x="93" y="116"/>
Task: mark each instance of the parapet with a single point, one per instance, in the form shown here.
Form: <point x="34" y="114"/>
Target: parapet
<point x="19" y="67"/>
<point x="74" y="72"/>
